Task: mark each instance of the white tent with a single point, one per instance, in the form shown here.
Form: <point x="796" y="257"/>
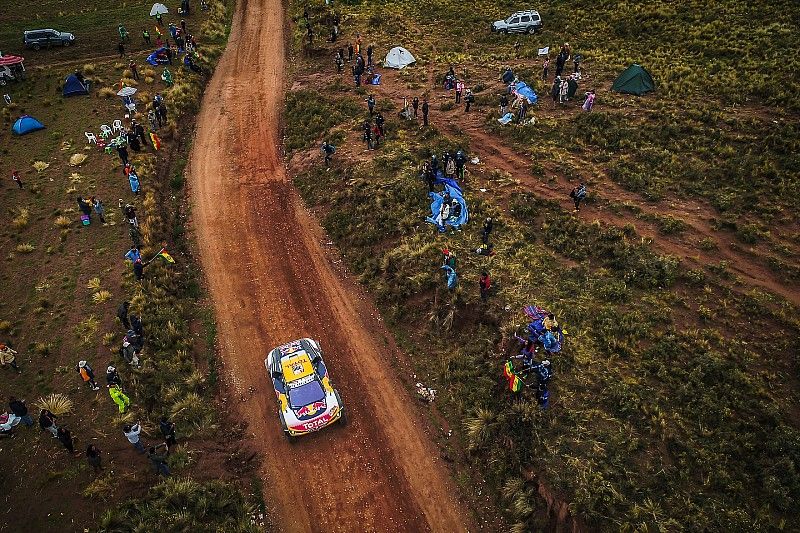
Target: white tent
<point x="127" y="91"/>
<point x="158" y="8"/>
<point x="398" y="57"/>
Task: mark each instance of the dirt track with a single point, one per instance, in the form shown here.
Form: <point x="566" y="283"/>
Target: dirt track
<point x="272" y="280"/>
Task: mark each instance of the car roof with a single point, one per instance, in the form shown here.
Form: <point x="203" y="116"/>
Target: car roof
<point x="526" y="12"/>
<point x="43" y="29"/>
<point x="296" y="366"/>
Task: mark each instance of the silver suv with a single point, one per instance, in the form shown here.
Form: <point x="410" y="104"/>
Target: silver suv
<point x="520" y="22"/>
<point x="37" y="39"/>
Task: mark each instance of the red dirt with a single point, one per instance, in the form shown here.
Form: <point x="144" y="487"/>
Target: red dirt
<point x="272" y="279"/>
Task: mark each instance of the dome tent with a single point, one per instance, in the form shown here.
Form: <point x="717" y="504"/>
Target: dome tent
<point x="398" y="57"/>
<point x="73" y="86"/>
<point x="634" y="80"/>
<point x="26" y="124"/>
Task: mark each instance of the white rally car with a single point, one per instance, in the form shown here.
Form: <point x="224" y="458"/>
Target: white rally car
<point x="307" y="400"/>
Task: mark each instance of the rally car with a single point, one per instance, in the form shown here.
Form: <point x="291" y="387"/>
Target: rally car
<point x="307" y="400"/>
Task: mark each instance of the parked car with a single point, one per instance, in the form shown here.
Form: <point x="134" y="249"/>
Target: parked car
<point x="519" y="22"/>
<point x="307" y="401"/>
<point x="37" y="39"/>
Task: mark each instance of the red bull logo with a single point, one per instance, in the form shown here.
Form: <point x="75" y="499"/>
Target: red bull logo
<point x="310" y="409"/>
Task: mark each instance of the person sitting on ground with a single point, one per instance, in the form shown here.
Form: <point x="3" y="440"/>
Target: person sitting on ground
<point x="455" y="209"/>
<point x="550" y="322"/>
<point x="549" y="340"/>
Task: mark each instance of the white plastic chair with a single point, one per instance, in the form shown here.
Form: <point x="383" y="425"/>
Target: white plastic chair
<point x="117" y="125"/>
<point x="105" y="131"/>
<point x="90" y="138"/>
<point x="131" y="107"/>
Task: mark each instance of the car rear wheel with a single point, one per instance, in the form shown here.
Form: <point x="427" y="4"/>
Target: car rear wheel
<point x="66" y="43"/>
<point x="531" y="30"/>
<point x="37" y="46"/>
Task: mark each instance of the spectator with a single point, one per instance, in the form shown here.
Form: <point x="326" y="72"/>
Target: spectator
<point x="138" y="270"/>
<point x="146" y="36"/>
<point x="577" y="195"/>
<point x="112" y="376"/>
<point x="119" y="397"/>
<point x="121" y="49"/>
<point x="87" y="374"/>
<point x="328" y="149"/>
<point x="122" y="151"/>
<point x="94" y="458"/>
<point x="132" y="434"/>
<point x="158" y="460"/>
<point x="459" y="91"/>
<point x="17" y="179"/>
<point x="415" y="105"/>
<point x="469" y="99"/>
<point x="425" y="109"/>
<point x="136" y="325"/>
<point x="488" y="225"/>
<point x="134" y="70"/>
<point x="545" y="68"/>
<point x="133" y="254"/>
<point x="371" y="104"/>
<point x="589" y="103"/>
<point x="8" y="356"/>
<point x="122" y="314"/>
<point x="65" y="437"/>
<point x="168" y="430"/>
<point x="19" y="408"/>
<point x="47" y="420"/>
<point x="99" y="209"/>
<point x="84" y="206"/>
<point x="503" y="104"/>
<point x="485" y="284"/>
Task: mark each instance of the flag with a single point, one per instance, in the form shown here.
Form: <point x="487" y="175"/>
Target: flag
<point x="163" y="253"/>
<point x="514" y="383"/>
<point x="544" y="51"/>
<point x="156" y="141"/>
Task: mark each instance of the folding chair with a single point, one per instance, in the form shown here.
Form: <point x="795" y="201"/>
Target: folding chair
<point x="105" y="131"/>
<point x="90" y="137"/>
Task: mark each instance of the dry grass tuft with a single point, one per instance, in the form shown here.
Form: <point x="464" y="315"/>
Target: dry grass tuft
<point x="41" y="166"/>
<point x="93" y="284"/>
<point x="77" y="159"/>
<point x="56" y="403"/>
<point x="101" y="296"/>
<point x="25" y="248"/>
<point x="21" y="220"/>
<point x="107" y="92"/>
<point x="62" y="222"/>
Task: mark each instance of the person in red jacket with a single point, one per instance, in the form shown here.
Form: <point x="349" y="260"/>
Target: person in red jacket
<point x="485" y="284"/>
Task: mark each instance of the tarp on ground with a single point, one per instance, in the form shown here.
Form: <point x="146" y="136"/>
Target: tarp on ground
<point x="634" y="80"/>
<point x="506" y="119"/>
<point x="9" y="59"/>
<point x="537" y="331"/>
<point x="524" y="90"/>
<point x="73" y="86"/>
<point x="441" y="179"/>
<point x="441" y="214"/>
<point x="399" y="58"/>
<point x="376" y="80"/>
<point x="26" y="124"/>
<point x="154" y="60"/>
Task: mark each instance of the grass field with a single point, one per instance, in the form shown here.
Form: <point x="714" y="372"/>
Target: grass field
<point x="674" y="403"/>
<point x="62" y="283"/>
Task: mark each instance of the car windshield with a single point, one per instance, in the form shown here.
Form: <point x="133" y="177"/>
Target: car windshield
<point x="305" y="394"/>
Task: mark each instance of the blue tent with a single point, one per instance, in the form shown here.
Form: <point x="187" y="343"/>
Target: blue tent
<point x="154" y="58"/>
<point x="26" y="124"/>
<point x="73" y="86"/>
<point x="523" y="89"/>
<point x="452" y="213"/>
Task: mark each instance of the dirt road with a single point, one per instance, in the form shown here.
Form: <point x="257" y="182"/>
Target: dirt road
<point x="272" y="280"/>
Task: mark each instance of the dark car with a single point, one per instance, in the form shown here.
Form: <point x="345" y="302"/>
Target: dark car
<point x="37" y="39"/>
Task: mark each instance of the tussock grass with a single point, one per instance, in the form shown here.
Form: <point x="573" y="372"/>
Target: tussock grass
<point x="76" y="160"/>
<point x="101" y="297"/>
<point x="41" y="166"/>
<point x="22" y="218"/>
<point x="56" y="403"/>
<point x="62" y="222"/>
<point x="107" y="92"/>
<point x="25" y="248"/>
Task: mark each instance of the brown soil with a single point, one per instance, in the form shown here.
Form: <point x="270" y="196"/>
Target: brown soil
<point x="272" y="280"/>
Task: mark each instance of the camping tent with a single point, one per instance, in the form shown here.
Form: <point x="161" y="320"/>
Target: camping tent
<point x="158" y="8"/>
<point x="159" y="57"/>
<point x="398" y="57"/>
<point x="26" y="124"/>
<point x="634" y="80"/>
<point x="73" y="86"/>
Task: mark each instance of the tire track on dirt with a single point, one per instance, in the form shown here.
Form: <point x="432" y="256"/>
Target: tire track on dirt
<point x="272" y="281"/>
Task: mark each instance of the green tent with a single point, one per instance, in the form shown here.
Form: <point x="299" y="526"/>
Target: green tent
<point x="634" y="80"/>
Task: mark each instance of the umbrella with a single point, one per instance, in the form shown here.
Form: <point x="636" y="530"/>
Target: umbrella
<point x="127" y="91"/>
<point x="158" y="8"/>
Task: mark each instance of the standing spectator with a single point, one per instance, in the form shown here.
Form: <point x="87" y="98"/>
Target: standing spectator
<point x="8" y="356"/>
<point x="369" y="55"/>
<point x="159" y="460"/>
<point x="459" y="91"/>
<point x="545" y="68"/>
<point x="65" y="437"/>
<point x="17" y="179"/>
<point x="503" y="104"/>
<point x="159" y="20"/>
<point x="371" y="104"/>
<point x="349" y="52"/>
<point x="367" y="134"/>
<point x="123" y="33"/>
<point x="485" y="284"/>
<point x="183" y="26"/>
<point x="138" y="270"/>
<point x="84" y="206"/>
<point x="376" y="134"/>
<point x="19" y="408"/>
<point x="450" y="168"/>
<point x="94" y="459"/>
<point x="99" y="209"/>
<point x="119" y="397"/>
<point x="133" y="255"/>
<point x="576" y="62"/>
<point x="47" y="420"/>
<point x="112" y="376"/>
<point x="136" y="325"/>
<point x="425" y="109"/>
<point x="380" y="121"/>
<point x="488" y="224"/>
<point x="461" y="162"/>
<point x="523" y="110"/>
<point x="162" y="111"/>
<point x="121" y="49"/>
<point x="122" y="151"/>
<point x="138" y="129"/>
<point x="168" y="431"/>
<point x="555" y="91"/>
<point x="122" y="314"/>
<point x="415" y="105"/>
<point x="132" y="434"/>
<point x="134" y="70"/>
<point x="589" y="103"/>
<point x="578" y="194"/>
<point x="339" y="62"/>
<point x="130" y="214"/>
<point x="153" y="120"/>
<point x="146" y="36"/>
<point x="469" y="99"/>
<point x="87" y="374"/>
<point x="560" y="60"/>
<point x="563" y="91"/>
<point x="328" y="149"/>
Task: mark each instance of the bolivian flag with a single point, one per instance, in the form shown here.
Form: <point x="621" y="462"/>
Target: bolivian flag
<point x="514" y="383"/>
<point x="163" y="253"/>
<point x="156" y="141"/>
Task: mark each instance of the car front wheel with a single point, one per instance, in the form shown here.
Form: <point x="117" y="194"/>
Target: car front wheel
<point x="66" y="43"/>
<point x="37" y="46"/>
<point x="531" y="30"/>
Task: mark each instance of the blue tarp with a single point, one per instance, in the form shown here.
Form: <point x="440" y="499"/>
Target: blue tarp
<point x="552" y="341"/>
<point x="73" y="86"/>
<point x="442" y="180"/>
<point x="26" y="124"/>
<point x="505" y="119"/>
<point x="376" y="80"/>
<point x="452" y="277"/>
<point x="523" y="89"/>
<point x="154" y="60"/>
<point x="442" y="214"/>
